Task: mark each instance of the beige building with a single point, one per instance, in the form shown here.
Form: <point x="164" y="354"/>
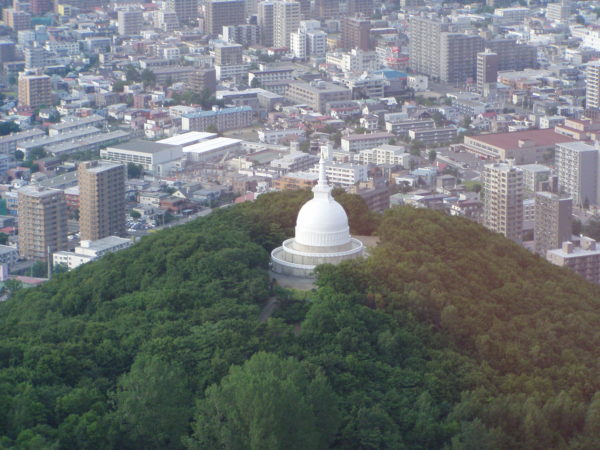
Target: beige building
<point x="101" y="199"/>
<point x="317" y="94"/>
<point x="286" y="20"/>
<point x="584" y="260"/>
<point x="503" y="200"/>
<point x="130" y="22"/>
<point x="35" y="91"/>
<point x="42" y="222"/>
<point x="553" y="221"/>
<point x="17" y="20"/>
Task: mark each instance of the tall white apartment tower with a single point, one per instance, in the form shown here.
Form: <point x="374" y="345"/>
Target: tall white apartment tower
<point x="592" y="85"/>
<point x="577" y="166"/>
<point x="503" y="200"/>
<point x="286" y="20"/>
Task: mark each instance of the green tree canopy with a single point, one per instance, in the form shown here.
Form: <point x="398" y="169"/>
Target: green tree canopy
<point x="269" y="402"/>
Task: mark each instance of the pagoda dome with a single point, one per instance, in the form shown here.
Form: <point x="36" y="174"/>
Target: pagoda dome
<point x="322" y="222"/>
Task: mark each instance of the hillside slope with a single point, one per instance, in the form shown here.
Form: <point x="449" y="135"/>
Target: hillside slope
<point x="446" y="337"/>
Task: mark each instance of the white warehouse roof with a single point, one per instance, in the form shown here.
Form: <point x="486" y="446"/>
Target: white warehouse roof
<point x="211" y="145"/>
<point x="188" y="138"/>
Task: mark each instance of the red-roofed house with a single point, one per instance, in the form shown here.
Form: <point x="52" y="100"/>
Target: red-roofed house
<point x="525" y="147"/>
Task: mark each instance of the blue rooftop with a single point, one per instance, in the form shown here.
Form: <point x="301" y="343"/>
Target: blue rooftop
<point x="233" y="110"/>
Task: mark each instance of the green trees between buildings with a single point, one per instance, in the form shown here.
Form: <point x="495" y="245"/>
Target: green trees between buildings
<point x="447" y="336"/>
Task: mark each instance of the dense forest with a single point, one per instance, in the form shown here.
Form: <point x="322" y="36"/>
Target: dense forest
<point x="447" y="336"/>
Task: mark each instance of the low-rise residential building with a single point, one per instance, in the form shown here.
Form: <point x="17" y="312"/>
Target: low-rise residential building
<point x="401" y="127"/>
<point x="8" y="255"/>
<point x="432" y="136"/>
<point x="89" y="251"/>
<point x="294" y="162"/>
<point x="358" y="142"/>
<point x="317" y="93"/>
<point x="383" y="154"/>
<point x="221" y="119"/>
<point x="344" y="174"/>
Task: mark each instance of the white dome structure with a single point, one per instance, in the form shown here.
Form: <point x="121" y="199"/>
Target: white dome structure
<point x="322" y="235"/>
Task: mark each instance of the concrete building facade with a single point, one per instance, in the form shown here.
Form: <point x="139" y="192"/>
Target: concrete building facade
<point x="503" y="200"/>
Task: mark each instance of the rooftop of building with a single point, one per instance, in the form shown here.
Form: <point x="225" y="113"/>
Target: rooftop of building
<point x="543" y="138"/>
<point x="235" y="109"/>
<point x="187" y="138"/>
<point x="210" y="145"/>
<point x="103" y="244"/>
<point x="37" y="191"/>
<point x="578" y="146"/>
<point x="366" y="137"/>
<point x="100" y="165"/>
<point x="141" y="146"/>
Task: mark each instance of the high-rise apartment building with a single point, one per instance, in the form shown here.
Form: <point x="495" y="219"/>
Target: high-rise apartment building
<point x="584" y="260"/>
<point x="42" y="222"/>
<point x="553" y="221"/>
<point x="101" y="199"/>
<point x="503" y="200"/>
<point x="577" y="166"/>
<point x="286" y="19"/>
<point x="326" y="9"/>
<point x="558" y="12"/>
<point x="511" y="55"/>
<point x="186" y="10"/>
<point x="592" y="85"/>
<point x="424" y="44"/>
<point x="224" y="12"/>
<point x="487" y="69"/>
<point x="359" y="7"/>
<point x="458" y="56"/>
<point x="35" y="91"/>
<point x="41" y="7"/>
<point x="130" y="22"/>
<point x="265" y="22"/>
<point x="355" y="33"/>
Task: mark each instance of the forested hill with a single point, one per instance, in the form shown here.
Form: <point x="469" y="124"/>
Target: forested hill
<point x="446" y="337"/>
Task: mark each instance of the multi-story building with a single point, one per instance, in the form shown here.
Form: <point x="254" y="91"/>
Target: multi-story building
<point x="458" y="56"/>
<point x="534" y="175"/>
<point x="431" y="136"/>
<point x="326" y="9"/>
<point x="101" y="199"/>
<point x="7" y="51"/>
<point x="265" y="76"/>
<point x="265" y="22"/>
<point x="201" y="79"/>
<point x="245" y="34"/>
<point x="17" y="20"/>
<point x="511" y="55"/>
<point x="35" y="57"/>
<point x="296" y="180"/>
<point x="130" y="22"/>
<point x="298" y="44"/>
<point x="344" y="174"/>
<point x="294" y="162"/>
<point x="577" y="166"/>
<point x="286" y="19"/>
<point x="358" y="142"/>
<point x="401" y="127"/>
<point x="42" y="222"/>
<point x="35" y="91"/>
<point x="384" y="154"/>
<point x="222" y="119"/>
<point x="316" y="43"/>
<point x="41" y="7"/>
<point x="90" y="251"/>
<point x="424" y="44"/>
<point x="359" y="7"/>
<point x="558" y="12"/>
<point x="355" y="33"/>
<point x="223" y="12"/>
<point x="592" y="85"/>
<point x="228" y="54"/>
<point x="155" y="158"/>
<point x="8" y="143"/>
<point x="8" y="255"/>
<point x="553" y="221"/>
<point x="317" y="94"/>
<point x="186" y="10"/>
<point x="503" y="200"/>
<point x="487" y="69"/>
<point x="584" y="260"/>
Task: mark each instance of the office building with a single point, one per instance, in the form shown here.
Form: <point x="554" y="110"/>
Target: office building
<point x="553" y="221"/>
<point x="577" y="167"/>
<point x="317" y="94"/>
<point x="17" y="20"/>
<point x="487" y="70"/>
<point x="130" y="22"/>
<point x="35" y="91"/>
<point x="203" y="78"/>
<point x="224" y="12"/>
<point x="327" y="9"/>
<point x="286" y="20"/>
<point x="359" y="7"/>
<point x="186" y="10"/>
<point x="265" y="22"/>
<point x="228" y="54"/>
<point x="101" y="199"/>
<point x="355" y="33"/>
<point x="592" y="85"/>
<point x="558" y="12"/>
<point x="584" y="260"/>
<point x="503" y="200"/>
<point x="42" y="222"/>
